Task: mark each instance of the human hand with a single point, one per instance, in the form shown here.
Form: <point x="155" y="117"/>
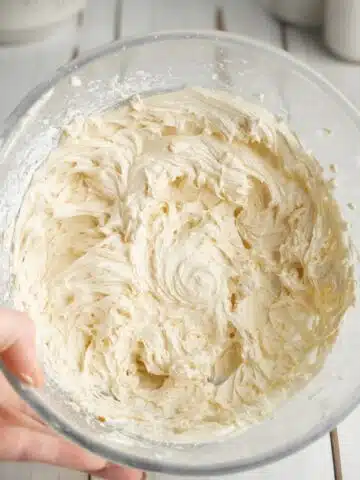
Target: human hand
<point x="24" y="437"/>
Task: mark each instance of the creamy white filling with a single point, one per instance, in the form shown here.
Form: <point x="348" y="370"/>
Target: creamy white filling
<point x="184" y="261"/>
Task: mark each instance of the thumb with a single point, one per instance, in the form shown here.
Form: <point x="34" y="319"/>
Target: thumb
<point x="24" y="444"/>
<point x="18" y="346"/>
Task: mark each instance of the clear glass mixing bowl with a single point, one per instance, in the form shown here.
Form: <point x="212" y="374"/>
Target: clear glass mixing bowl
<point x="325" y="122"/>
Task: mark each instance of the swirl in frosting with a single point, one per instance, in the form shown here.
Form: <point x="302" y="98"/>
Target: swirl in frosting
<point x="184" y="261"/>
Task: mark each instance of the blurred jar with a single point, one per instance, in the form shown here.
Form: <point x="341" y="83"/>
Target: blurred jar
<point x="306" y="13"/>
<point x="27" y="20"/>
<point x="342" y="28"/>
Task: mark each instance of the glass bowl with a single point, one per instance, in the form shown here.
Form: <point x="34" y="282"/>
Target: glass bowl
<point x="325" y="122"/>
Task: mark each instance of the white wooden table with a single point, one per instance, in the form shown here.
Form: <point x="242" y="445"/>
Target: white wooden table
<point x="22" y="67"/>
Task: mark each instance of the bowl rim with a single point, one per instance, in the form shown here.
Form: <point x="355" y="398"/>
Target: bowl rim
<point x="31" y="395"/>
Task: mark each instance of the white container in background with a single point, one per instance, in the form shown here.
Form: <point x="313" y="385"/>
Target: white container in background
<point x="306" y="13"/>
<point x="27" y="20"/>
<point x="342" y="28"/>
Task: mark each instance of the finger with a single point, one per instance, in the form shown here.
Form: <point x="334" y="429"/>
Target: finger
<point x="17" y="346"/>
<point x="115" y="472"/>
<point x="10" y="399"/>
<point x="22" y="444"/>
<point x="15" y="418"/>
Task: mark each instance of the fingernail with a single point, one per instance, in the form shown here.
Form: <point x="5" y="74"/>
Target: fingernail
<point x="27" y="379"/>
<point x="34" y="380"/>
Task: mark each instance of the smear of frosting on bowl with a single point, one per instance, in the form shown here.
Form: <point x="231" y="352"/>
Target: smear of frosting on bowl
<point x="185" y="263"/>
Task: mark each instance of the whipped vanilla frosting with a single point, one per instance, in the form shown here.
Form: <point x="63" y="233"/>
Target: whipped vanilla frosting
<point x="184" y="261"/>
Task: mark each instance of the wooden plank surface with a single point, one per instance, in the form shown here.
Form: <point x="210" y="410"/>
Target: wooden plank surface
<point x="245" y="17"/>
<point x="314" y="462"/>
<point x="308" y="46"/>
<point x="100" y="25"/>
<point x="23" y="67"/>
<point x="249" y="18"/>
<point x="349" y="440"/>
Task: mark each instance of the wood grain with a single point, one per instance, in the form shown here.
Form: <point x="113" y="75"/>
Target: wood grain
<point x="25" y="471"/>
<point x="336" y="455"/>
<point x="305" y="465"/>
